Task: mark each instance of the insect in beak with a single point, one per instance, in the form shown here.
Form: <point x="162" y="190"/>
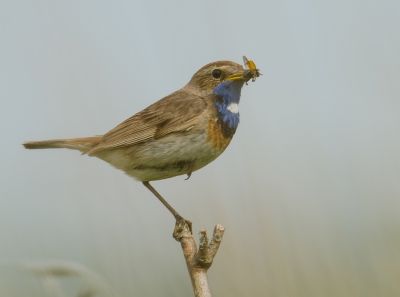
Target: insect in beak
<point x="251" y="71"/>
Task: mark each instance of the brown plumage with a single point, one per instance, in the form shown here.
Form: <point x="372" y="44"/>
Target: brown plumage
<point x="82" y="144"/>
<point x="174" y="113"/>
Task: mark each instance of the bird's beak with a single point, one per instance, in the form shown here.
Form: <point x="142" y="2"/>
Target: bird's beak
<point x="236" y="76"/>
<point x="245" y="75"/>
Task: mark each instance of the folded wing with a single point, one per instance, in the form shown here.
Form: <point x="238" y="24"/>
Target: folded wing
<point x="177" y="112"/>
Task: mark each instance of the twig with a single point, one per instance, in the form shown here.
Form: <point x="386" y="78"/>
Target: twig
<point x="199" y="261"/>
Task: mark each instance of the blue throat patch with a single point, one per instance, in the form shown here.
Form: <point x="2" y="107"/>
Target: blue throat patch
<point x="229" y="92"/>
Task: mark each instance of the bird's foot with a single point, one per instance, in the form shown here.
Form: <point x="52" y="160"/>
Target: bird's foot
<point x="190" y="169"/>
<point x="182" y="228"/>
<point x="187" y="164"/>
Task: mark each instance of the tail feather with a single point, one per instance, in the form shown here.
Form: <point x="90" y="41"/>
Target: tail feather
<point x="80" y="144"/>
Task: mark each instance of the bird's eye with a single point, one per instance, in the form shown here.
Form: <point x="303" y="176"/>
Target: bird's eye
<point x="216" y="73"/>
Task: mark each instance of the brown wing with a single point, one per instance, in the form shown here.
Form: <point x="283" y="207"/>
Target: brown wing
<point x="174" y="113"/>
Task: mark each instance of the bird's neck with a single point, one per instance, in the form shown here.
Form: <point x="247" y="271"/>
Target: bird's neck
<point x="227" y="103"/>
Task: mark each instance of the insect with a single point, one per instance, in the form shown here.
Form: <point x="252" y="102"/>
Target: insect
<point x="253" y="71"/>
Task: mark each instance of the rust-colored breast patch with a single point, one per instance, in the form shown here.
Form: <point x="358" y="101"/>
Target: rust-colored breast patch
<point x="215" y="136"/>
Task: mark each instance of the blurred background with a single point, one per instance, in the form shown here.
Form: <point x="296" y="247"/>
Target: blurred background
<point x="308" y="190"/>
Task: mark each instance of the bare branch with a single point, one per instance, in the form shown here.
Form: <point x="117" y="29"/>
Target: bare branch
<point x="216" y="240"/>
<point x="199" y="261"/>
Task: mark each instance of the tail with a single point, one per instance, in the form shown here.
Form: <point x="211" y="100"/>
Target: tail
<point x="80" y="144"/>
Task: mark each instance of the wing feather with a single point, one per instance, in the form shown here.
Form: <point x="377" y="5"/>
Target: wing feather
<point x="175" y="113"/>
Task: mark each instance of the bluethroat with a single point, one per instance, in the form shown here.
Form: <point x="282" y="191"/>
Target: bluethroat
<point x="178" y="134"/>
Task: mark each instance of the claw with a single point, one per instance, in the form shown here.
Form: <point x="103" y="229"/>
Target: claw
<point x="190" y="169"/>
<point x="180" y="226"/>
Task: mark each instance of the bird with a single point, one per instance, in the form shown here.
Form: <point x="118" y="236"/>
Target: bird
<point x="179" y="134"/>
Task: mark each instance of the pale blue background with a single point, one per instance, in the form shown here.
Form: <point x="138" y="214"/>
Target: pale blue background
<point x="308" y="190"/>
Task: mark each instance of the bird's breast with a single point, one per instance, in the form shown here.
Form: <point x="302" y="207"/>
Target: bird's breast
<point x="219" y="134"/>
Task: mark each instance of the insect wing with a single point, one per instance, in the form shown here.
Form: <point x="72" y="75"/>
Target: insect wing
<point x="249" y="64"/>
<point x="245" y="62"/>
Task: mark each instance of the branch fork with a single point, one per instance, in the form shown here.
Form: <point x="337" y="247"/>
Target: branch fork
<point x="198" y="261"/>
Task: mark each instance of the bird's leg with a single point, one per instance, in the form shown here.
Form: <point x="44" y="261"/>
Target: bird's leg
<point x="180" y="222"/>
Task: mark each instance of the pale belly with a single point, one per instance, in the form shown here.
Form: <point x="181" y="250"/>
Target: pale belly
<point x="172" y="155"/>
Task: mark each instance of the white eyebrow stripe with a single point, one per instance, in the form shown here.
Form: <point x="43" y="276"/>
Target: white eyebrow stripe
<point x="233" y="108"/>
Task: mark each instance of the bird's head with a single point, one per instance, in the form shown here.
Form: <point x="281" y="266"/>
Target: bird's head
<point x="223" y="81"/>
<point x="216" y="73"/>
